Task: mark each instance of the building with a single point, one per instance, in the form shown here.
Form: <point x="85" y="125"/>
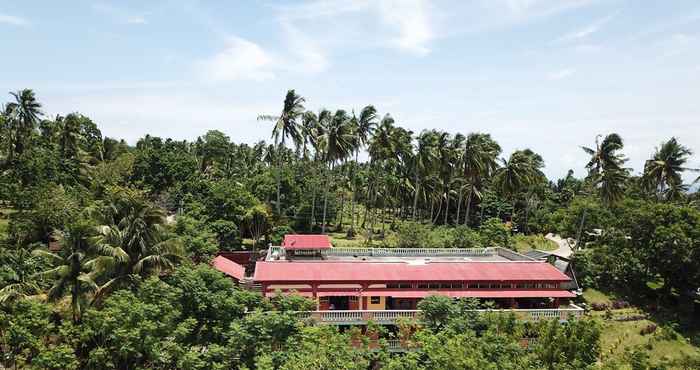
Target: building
<point x="359" y="284"/>
<point x="562" y="264"/>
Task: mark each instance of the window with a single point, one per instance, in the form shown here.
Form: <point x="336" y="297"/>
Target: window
<point x="353" y="298"/>
<point x="494" y="286"/>
<point x="404" y="286"/>
<point x="473" y="286"/>
<point x="445" y="286"/>
<point x="457" y="286"/>
<point x="374" y="300"/>
<point x="520" y="286"/>
<point x="423" y="286"/>
<point x="392" y="286"/>
<point x="434" y="286"/>
<point x="323" y="299"/>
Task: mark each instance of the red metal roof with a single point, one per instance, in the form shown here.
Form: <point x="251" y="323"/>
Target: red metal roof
<point x="483" y="293"/>
<point x="229" y="267"/>
<point x="398" y="271"/>
<point x="299" y="241"/>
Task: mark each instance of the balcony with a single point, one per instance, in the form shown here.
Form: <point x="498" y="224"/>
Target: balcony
<point x="389" y="317"/>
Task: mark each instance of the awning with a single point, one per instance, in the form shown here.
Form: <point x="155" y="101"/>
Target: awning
<point x="481" y="293"/>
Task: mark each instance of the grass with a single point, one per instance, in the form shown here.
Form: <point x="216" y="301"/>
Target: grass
<point x="619" y="336"/>
<point x="525" y="243"/>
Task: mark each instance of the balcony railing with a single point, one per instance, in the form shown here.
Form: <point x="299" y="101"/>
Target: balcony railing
<point x="388" y="317"/>
<point x="409" y="252"/>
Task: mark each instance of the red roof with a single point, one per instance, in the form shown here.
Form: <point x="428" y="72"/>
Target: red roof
<point x="483" y="293"/>
<point x="399" y="271"/>
<point x="298" y="241"/>
<point x="229" y="267"/>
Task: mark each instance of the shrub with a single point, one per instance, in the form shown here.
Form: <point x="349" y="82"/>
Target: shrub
<point x="619" y="304"/>
<point x="495" y="233"/>
<point x="227" y="234"/>
<point x="599" y="306"/>
<point x="413" y="235"/>
<point x="649" y="329"/>
<point x="278" y="232"/>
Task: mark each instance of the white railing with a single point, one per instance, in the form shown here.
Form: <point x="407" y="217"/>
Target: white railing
<point x="392" y="316"/>
<point x="409" y="252"/>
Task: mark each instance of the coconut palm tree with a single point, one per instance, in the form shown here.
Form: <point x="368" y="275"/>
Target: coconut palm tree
<point x="71" y="273"/>
<point x="663" y="172"/>
<point x="363" y="126"/>
<point x="521" y="170"/>
<point x="286" y="126"/>
<point x="337" y="140"/>
<point x="423" y="162"/>
<point x="605" y="168"/>
<point x="23" y="115"/>
<point x="479" y="161"/>
<point x="131" y="241"/>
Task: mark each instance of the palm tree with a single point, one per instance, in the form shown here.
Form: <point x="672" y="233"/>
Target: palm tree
<point x="286" y="125"/>
<point x="337" y="139"/>
<point x="132" y="241"/>
<point x="445" y="158"/>
<point x="23" y="115"/>
<point x="605" y="168"/>
<point x="19" y="275"/>
<point x="479" y="162"/>
<point x="663" y="172"/>
<point x="521" y="170"/>
<point x="363" y="126"/>
<point x="71" y="273"/>
<point x="423" y="162"/>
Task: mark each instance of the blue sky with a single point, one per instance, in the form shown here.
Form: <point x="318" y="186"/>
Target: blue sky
<point x="545" y="74"/>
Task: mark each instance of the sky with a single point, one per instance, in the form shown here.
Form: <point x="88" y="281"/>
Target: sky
<point x="549" y="75"/>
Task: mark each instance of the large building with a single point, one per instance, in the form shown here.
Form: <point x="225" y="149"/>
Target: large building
<point x="396" y="279"/>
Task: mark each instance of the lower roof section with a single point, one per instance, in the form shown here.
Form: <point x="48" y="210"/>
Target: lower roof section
<point x="229" y="267"/>
<point x="327" y="271"/>
<point x="407" y="293"/>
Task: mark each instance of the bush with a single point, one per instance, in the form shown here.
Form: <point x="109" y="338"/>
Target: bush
<point x="278" y="232"/>
<point x="599" y="306"/>
<point x="413" y="235"/>
<point x="620" y="304"/>
<point x="495" y="233"/>
<point x="227" y="234"/>
<point x="649" y="329"/>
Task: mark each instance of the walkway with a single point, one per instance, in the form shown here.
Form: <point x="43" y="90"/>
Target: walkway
<point x="564" y="249"/>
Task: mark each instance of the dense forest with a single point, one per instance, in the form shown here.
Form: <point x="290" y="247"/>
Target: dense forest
<point x="105" y="246"/>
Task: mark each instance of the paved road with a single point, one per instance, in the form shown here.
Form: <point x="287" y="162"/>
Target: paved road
<point x="564" y="249"/>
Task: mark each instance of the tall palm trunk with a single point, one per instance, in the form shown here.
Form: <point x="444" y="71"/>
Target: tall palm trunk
<point x="313" y="210"/>
<point x="325" y="198"/>
<point x="469" y="204"/>
<point x="415" y="198"/>
<point x="459" y="205"/>
<point x="354" y="192"/>
<point x="342" y="208"/>
<point x="279" y="182"/>
<point x="447" y="203"/>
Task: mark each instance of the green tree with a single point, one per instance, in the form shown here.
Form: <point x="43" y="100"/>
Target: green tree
<point x="70" y="272"/>
<point x="286" y="125"/>
<point x="605" y="168"/>
<point x="663" y="172"/>
<point x="132" y="241"/>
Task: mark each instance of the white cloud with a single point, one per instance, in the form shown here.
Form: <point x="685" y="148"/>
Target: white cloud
<point x="136" y="19"/>
<point x="13" y="20"/>
<point x="587" y="30"/>
<point x="410" y="19"/>
<point x="561" y="74"/>
<point x="240" y="60"/>
<point x="307" y="56"/>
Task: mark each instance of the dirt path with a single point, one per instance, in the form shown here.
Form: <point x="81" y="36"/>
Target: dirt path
<point x="564" y="249"/>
